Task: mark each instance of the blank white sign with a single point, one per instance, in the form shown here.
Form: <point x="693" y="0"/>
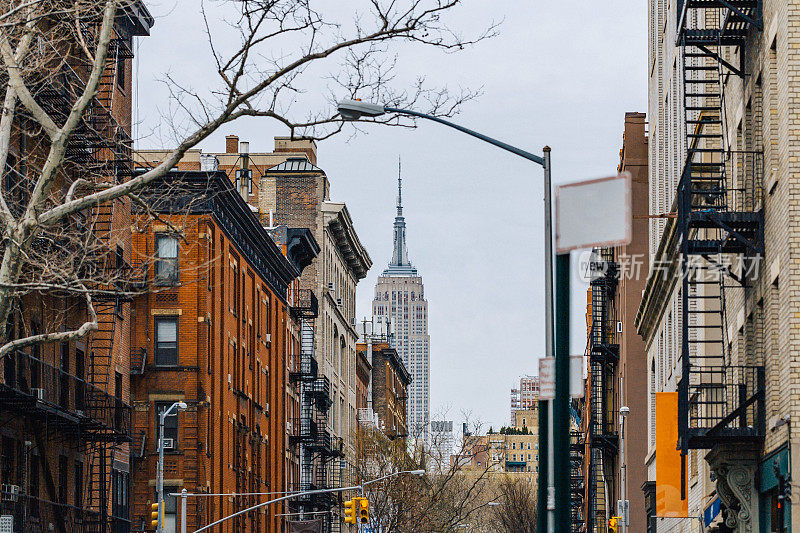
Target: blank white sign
<point x="593" y="213"/>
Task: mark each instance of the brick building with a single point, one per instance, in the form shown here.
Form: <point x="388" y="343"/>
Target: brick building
<point x="286" y="188"/>
<point x="720" y="312"/>
<point x="513" y="452"/>
<point x="213" y="331"/>
<point x="387" y="387"/>
<point x="526" y="396"/>
<point x="65" y="407"/>
<point x="617" y="373"/>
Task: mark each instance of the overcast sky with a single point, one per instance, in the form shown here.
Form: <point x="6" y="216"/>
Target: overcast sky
<point x="561" y="73"/>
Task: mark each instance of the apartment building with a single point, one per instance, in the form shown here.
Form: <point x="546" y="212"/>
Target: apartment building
<point x="386" y="388"/>
<point x="512" y="452"/>
<point x="719" y="307"/>
<point x="617" y="373"/>
<point x="211" y="331"/>
<point x="65" y="406"/>
<point x="525" y="396"/>
<point x="286" y="188"/>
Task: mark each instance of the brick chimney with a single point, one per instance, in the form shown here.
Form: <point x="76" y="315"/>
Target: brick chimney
<point x="232" y="144"/>
<point x="298" y="145"/>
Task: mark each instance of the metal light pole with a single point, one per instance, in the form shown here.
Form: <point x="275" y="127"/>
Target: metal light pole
<point x="623" y="470"/>
<point x="355" y="109"/>
<point x="180" y="405"/>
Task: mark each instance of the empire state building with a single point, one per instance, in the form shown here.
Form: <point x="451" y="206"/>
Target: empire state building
<point x="400" y="299"/>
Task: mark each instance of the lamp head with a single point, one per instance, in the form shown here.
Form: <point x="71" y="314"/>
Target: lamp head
<point x="182" y="405"/>
<point x="624" y="410"/>
<point x="355" y="109"/>
<point x="417" y="472"/>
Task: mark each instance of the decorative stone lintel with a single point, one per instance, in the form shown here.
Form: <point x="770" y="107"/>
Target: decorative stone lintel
<point x="735" y="467"/>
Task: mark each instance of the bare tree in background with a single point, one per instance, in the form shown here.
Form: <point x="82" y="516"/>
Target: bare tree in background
<point x="445" y="499"/>
<point x="60" y="203"/>
<point x="517" y="510"/>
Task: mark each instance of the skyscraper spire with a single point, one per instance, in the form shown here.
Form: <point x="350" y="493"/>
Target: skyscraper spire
<point x="399" y="188"/>
<point x="400" y="265"/>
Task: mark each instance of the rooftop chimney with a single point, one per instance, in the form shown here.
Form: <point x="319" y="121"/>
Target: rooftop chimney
<point x="232" y="144"/>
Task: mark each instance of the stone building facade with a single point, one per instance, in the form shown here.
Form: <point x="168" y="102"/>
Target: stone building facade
<point x="722" y="161"/>
<point x="399" y="304"/>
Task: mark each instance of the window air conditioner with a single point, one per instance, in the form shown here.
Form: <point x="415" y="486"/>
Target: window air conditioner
<point x="10" y="492"/>
<point x="169" y="444"/>
<point x="268" y="337"/>
<point x="619" y="327"/>
<point x="331" y="286"/>
<point x="38" y="392"/>
<point x="339" y="302"/>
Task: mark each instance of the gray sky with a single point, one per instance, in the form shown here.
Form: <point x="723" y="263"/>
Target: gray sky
<point x="561" y="73"/>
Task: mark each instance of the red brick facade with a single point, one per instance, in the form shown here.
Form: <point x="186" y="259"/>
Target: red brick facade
<point x="229" y="366"/>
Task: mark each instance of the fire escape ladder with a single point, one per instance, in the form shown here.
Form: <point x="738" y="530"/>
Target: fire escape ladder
<point x="719" y="223"/>
<point x="576" y="485"/>
<point x="603" y="351"/>
<point x="99" y="455"/>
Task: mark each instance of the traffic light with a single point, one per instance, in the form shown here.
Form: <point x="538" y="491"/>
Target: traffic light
<point x="350" y="511"/>
<point x="363" y="510"/>
<point x="154" y="512"/>
<point x="612" y="524"/>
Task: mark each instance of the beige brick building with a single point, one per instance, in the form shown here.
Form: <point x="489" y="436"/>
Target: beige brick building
<point x="720" y="310"/>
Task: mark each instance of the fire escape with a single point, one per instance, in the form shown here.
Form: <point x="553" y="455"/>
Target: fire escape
<point x="83" y="408"/>
<point x="603" y="351"/>
<point x="577" y="445"/>
<point x="720" y="226"/>
<point x="309" y="431"/>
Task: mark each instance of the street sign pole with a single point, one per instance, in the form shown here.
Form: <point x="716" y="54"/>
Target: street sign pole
<point x="561" y="418"/>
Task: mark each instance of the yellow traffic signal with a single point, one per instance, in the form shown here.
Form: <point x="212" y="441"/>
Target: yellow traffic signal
<point x="612" y="524"/>
<point x="350" y="511"/>
<point x="363" y="510"/>
<point x="154" y="512"/>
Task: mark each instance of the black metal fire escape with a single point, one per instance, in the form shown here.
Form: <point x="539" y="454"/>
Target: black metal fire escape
<point x="603" y="352"/>
<point x="577" y="446"/>
<point x="85" y="407"/>
<point x="310" y="430"/>
<point x="720" y="225"/>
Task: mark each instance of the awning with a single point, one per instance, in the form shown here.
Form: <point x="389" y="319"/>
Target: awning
<point x="712" y="515"/>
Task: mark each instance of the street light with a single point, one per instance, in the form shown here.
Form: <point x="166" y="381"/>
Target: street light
<point x="180" y="406"/>
<point x="623" y="512"/>
<point x="184" y="495"/>
<point x="351" y="110"/>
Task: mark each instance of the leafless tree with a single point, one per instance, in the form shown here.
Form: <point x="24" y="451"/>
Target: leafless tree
<point x="454" y="491"/>
<point x="517" y="510"/>
<point x="60" y="202"/>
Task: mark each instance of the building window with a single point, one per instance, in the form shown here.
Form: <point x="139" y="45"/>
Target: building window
<point x="120" y="486"/>
<point x="170" y="508"/>
<point x="63" y="466"/>
<point x="166" y="342"/>
<point x="78" y="484"/>
<point x="170" y="426"/>
<point x="166" y="259"/>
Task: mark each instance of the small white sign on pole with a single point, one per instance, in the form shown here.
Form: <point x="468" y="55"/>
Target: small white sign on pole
<point x="547" y="378"/>
<point x="576" y="387"/>
<point x="593" y="213"/>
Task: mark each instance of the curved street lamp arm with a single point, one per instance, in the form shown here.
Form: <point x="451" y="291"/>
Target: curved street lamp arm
<point x="513" y="149"/>
<point x="276" y="500"/>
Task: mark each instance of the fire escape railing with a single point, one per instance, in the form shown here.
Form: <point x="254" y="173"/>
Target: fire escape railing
<point x="720" y="215"/>
<point x="36" y="388"/>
